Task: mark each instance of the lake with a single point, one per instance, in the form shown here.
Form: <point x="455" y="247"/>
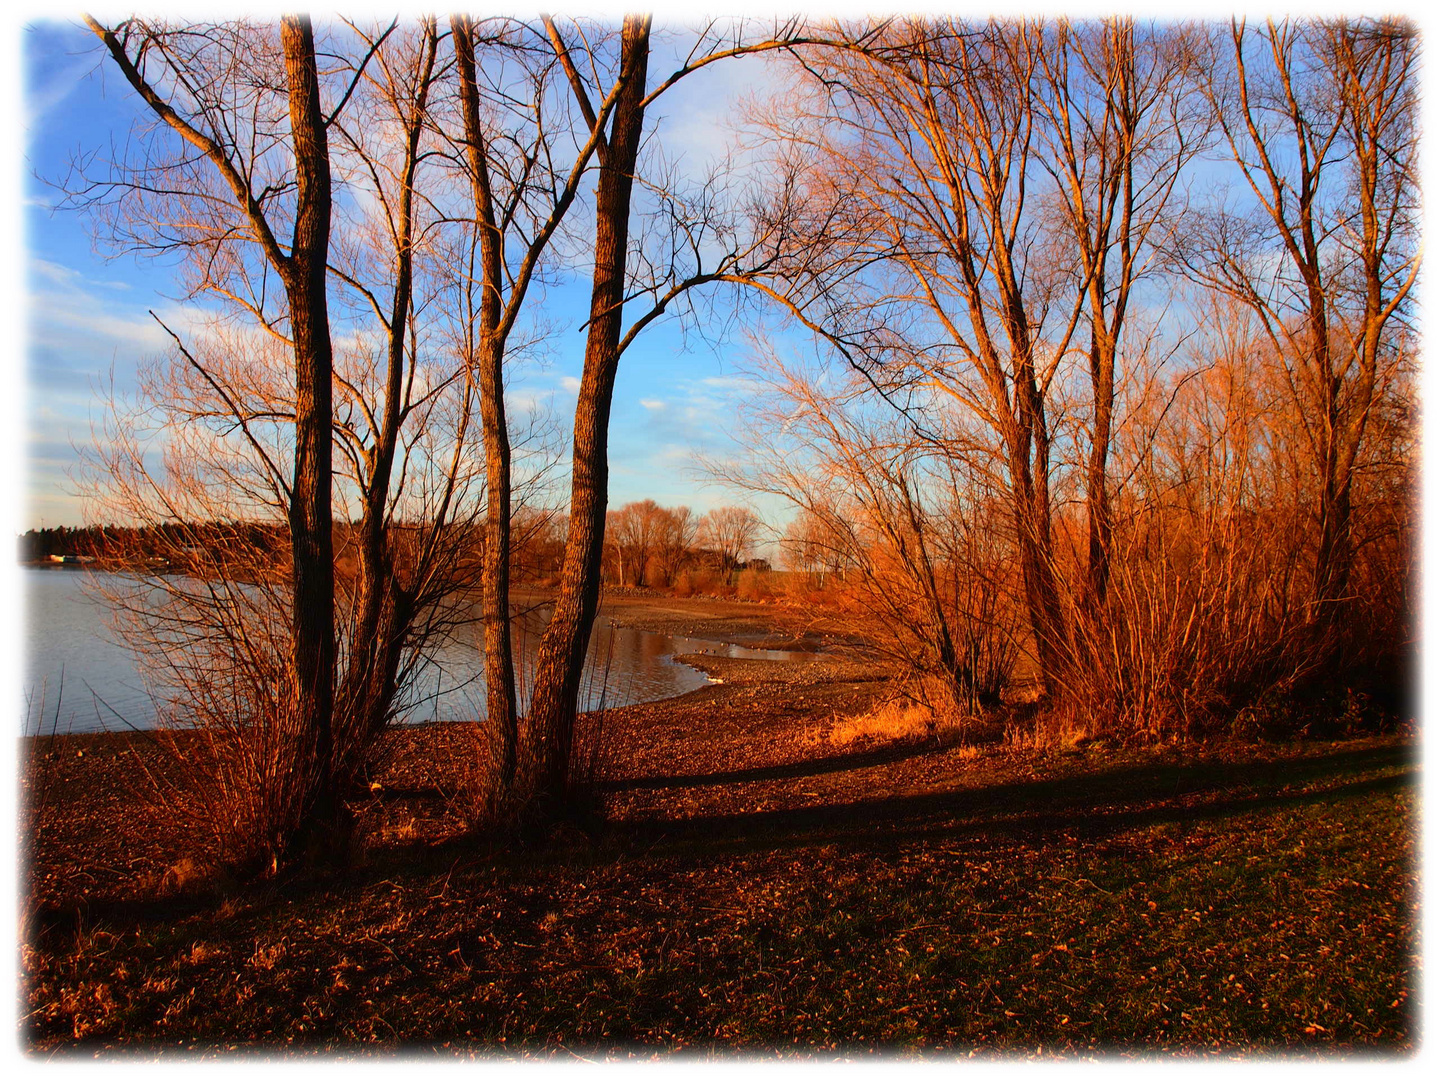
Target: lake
<point x="77" y="677"/>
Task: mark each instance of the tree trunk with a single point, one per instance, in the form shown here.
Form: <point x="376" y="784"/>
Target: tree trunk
<point x="490" y="353"/>
<point x="1097" y="498"/>
<point x="551" y="724"/>
<point x="312" y="564"/>
<point x="1030" y="502"/>
<point x="1027" y="440"/>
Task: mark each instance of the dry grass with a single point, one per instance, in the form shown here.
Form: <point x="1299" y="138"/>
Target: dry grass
<point x="897" y="721"/>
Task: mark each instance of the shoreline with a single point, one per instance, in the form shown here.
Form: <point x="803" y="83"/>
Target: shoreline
<point x="710" y="624"/>
<point x="754" y="624"/>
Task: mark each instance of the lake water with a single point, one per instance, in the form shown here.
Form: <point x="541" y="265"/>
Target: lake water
<point x="77" y="677"/>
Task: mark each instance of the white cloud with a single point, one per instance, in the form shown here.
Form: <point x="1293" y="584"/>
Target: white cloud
<point x="71" y="280"/>
<point x="652" y="404"/>
<point x="88" y="332"/>
<point x="733" y="384"/>
<point x="55" y="273"/>
<point x="570" y="384"/>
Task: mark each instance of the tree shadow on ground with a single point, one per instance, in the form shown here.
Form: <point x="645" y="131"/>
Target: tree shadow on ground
<point x="834" y="763"/>
<point x="1090" y="804"/>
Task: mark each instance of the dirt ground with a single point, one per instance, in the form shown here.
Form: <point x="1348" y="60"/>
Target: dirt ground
<point x="741" y="881"/>
<point x="104" y="836"/>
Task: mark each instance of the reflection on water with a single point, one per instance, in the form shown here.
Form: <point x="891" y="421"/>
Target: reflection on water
<point x="66" y="630"/>
<point x="623" y="666"/>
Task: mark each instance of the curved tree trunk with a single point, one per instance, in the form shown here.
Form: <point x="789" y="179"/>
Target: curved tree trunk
<point x="560" y="663"/>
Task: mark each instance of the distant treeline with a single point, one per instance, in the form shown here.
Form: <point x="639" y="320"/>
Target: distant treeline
<point x="120" y="543"/>
<point x="648" y="545"/>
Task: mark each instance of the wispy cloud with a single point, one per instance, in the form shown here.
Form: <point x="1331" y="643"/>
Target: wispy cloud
<point x="524" y="400"/>
<point x="87" y="335"/>
<point x="700" y="115"/>
<point x="47" y="94"/>
<point x="737" y="384"/>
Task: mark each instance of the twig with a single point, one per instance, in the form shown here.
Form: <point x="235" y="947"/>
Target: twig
<point x="1081" y="881"/>
<point x="392" y="952"/>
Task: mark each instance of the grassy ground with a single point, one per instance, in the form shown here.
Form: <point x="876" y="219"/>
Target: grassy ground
<point x="754" y="888"/>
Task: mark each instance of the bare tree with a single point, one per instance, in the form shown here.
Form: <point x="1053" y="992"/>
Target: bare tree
<point x="561" y="656"/>
<point x="706" y="251"/>
<point x="183" y="77"/>
<point x="1120" y="126"/>
<point x="520" y="197"/>
<point x="637" y="530"/>
<point x="926" y="554"/>
<point x="1320" y="118"/>
<point x="812" y="547"/>
<point x="400" y="403"/>
<point x="731" y="531"/>
<point x="384" y="146"/>
<point x="998" y="189"/>
<point x="675" y="536"/>
<point x="931" y="133"/>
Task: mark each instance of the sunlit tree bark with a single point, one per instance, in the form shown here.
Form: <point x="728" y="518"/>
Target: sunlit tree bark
<point x="561" y="657"/>
<point x="705" y="251"/>
<point x="520" y="198"/>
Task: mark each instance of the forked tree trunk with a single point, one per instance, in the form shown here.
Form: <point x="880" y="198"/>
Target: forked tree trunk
<point x="1028" y="451"/>
<point x="550" y="726"/>
<point x="367" y="693"/>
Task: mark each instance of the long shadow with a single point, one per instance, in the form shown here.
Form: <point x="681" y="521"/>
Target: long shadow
<point x="1090" y="803"/>
<point x="813" y="767"/>
<point x="1201" y="771"/>
<point x="929" y="817"/>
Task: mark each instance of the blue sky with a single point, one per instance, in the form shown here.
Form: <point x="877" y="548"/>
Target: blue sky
<point x="84" y="316"/>
<point x="87" y="315"/>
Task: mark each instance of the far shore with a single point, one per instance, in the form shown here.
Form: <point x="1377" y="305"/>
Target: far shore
<point x="756" y="624"/>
